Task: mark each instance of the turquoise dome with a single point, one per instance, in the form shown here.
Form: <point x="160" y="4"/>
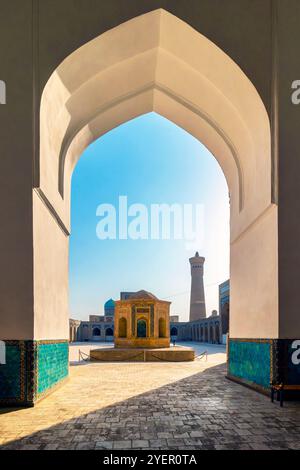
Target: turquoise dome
<point x="109" y="304"/>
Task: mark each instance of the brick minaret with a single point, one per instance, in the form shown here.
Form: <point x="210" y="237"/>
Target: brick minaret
<point x="197" y="305"/>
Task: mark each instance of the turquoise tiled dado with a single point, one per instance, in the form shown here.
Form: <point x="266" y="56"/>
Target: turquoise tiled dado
<point x="250" y="361"/>
<point x="32" y="368"/>
<point x="53" y="364"/>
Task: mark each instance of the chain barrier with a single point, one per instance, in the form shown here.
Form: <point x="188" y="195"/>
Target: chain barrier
<point x="201" y="355"/>
<point x="82" y="358"/>
<point x="88" y="357"/>
<point x="160" y="358"/>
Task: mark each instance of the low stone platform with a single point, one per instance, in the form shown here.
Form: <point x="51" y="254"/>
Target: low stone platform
<point x="172" y="354"/>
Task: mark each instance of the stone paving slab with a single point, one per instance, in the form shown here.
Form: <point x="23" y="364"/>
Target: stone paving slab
<point x="152" y="406"/>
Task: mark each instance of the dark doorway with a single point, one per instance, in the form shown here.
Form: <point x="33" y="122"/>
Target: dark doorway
<point x="141" y="329"/>
<point x="174" y="331"/>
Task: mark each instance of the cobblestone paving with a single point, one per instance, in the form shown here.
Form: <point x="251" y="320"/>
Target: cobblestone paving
<point x="152" y="406"/>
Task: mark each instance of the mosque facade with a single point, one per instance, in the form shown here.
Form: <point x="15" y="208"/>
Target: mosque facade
<point x="96" y="328"/>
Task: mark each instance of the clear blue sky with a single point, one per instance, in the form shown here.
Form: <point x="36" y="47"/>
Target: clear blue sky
<point x="150" y="160"/>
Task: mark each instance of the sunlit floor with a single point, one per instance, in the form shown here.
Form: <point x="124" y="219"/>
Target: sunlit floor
<point x="152" y="405"/>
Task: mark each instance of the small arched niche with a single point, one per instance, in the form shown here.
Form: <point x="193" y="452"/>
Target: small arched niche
<point x="122" y="328"/>
<point x="162" y="328"/>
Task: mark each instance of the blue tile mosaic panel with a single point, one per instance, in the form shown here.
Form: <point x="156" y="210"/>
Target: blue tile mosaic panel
<point x="250" y="361"/>
<point x="53" y="364"/>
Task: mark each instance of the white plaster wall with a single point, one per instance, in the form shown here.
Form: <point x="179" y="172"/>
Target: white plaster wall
<point x="254" y="280"/>
<point x="51" y="315"/>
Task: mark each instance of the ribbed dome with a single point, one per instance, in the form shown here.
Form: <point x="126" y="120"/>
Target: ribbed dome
<point x="142" y="294"/>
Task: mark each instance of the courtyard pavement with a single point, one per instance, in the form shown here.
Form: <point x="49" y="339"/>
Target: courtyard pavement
<point x="152" y="406"/>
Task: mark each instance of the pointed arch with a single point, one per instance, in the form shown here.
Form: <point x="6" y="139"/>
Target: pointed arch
<point x="175" y="71"/>
<point x="157" y="62"/>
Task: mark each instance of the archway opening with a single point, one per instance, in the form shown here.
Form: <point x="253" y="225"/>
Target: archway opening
<point x="206" y="334"/>
<point x="122" y="328"/>
<point x="218" y="338"/>
<point x="161" y="72"/>
<point x="85" y="333"/>
<point x="211" y="334"/>
<point x="231" y="122"/>
<point x="108" y="155"/>
<point x="141" y="328"/>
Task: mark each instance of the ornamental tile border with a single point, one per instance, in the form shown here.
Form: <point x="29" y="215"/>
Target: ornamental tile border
<point x="29" y="371"/>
